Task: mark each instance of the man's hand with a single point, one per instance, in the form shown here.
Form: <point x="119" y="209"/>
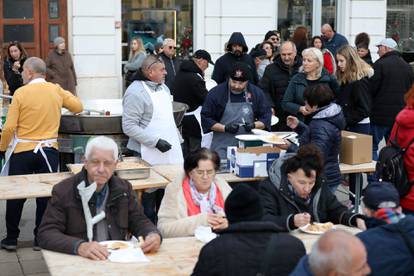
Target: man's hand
<point x="304" y="111"/>
<point x="231" y="128"/>
<point x="93" y="251"/>
<point x="292" y="122"/>
<point x="249" y="126"/>
<point x="151" y="243"/>
<point x="217" y="222"/>
<point x="163" y="146"/>
<point x="361" y="224"/>
<point x="302" y="219"/>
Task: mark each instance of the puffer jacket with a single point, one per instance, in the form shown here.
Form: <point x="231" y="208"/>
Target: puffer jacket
<point x="405" y="122"/>
<point x="293" y="98"/>
<point x="224" y="64"/>
<point x="240" y="250"/>
<point x="388" y="254"/>
<point x="281" y="203"/>
<point x="324" y="130"/>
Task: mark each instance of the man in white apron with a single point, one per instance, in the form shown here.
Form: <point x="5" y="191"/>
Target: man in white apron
<point x="189" y="87"/>
<point x="148" y="121"/>
<point x="234" y="107"/>
<point x="32" y="128"/>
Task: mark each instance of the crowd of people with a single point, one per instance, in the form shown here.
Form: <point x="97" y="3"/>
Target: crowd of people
<point x="316" y="87"/>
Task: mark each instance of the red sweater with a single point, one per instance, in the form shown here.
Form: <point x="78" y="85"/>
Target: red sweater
<point x="405" y="119"/>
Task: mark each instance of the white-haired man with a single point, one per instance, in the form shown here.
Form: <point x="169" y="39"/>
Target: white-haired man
<point x="336" y="253"/>
<point x="63" y="227"/>
<point x="172" y="63"/>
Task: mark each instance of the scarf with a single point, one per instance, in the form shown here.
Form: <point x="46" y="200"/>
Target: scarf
<point x="388" y="215"/>
<point x="206" y="202"/>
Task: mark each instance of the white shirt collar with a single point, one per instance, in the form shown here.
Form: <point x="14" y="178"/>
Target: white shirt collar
<point x="37" y="80"/>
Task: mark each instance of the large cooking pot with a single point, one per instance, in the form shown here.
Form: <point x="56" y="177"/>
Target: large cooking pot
<point x="96" y="120"/>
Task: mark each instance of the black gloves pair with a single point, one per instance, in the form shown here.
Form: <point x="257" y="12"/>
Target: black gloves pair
<point x="163" y="146"/>
<point x="233" y="128"/>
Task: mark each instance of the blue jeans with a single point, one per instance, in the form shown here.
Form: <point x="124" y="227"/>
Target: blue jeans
<point x="378" y="133"/>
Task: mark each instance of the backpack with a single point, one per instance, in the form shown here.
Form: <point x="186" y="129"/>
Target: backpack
<point x="390" y="165"/>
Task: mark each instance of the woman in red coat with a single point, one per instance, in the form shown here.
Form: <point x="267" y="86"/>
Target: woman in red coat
<point x="328" y="58"/>
<point x="405" y="124"/>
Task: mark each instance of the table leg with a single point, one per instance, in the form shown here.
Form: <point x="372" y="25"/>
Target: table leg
<point x="358" y="186"/>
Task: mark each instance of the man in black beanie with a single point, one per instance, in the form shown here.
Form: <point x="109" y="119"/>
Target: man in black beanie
<point x="248" y="246"/>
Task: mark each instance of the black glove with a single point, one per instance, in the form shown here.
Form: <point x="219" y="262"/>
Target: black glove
<point x="2" y="155"/>
<point x="231" y="128"/>
<point x="163" y="145"/>
<point x="249" y="126"/>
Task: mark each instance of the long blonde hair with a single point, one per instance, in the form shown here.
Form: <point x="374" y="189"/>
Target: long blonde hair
<point x="317" y="55"/>
<point x="140" y="49"/>
<point x="356" y="68"/>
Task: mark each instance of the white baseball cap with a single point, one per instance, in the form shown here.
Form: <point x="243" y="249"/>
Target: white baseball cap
<point x="388" y="42"/>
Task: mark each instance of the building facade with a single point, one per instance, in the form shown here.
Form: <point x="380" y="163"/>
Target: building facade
<point x="98" y="31"/>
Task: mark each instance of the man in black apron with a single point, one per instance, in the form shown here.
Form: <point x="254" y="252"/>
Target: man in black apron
<point x="232" y="108"/>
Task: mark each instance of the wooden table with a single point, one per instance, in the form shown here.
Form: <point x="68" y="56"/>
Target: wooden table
<point x="177" y="256"/>
<point x="40" y="185"/>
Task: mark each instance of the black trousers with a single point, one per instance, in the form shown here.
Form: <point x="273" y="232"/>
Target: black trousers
<point x="28" y="162"/>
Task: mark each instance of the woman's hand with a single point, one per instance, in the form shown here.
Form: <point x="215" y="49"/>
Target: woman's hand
<point x="302" y="219"/>
<point x="304" y="111"/>
<point x="292" y="122"/>
<point x="16" y="66"/>
<point x="217" y="221"/>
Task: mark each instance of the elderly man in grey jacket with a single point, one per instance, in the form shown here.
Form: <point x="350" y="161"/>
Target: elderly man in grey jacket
<point x="148" y="121"/>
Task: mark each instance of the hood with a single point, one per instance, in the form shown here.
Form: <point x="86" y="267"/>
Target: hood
<point x="275" y="170"/>
<point x="237" y="38"/>
<point x="190" y="66"/>
<point x="406" y="117"/>
<point x="333" y="114"/>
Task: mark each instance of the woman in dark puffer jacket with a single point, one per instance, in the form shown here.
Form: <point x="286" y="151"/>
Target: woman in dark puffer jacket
<point x="324" y="129"/>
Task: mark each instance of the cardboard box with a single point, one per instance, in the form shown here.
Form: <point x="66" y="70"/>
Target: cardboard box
<point x="252" y="161"/>
<point x="356" y="148"/>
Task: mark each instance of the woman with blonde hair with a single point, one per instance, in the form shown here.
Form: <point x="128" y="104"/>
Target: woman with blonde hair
<point x="137" y="55"/>
<point x="354" y="97"/>
<point x="311" y="73"/>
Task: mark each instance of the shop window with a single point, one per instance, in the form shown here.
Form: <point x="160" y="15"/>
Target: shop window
<point x="400" y="23"/>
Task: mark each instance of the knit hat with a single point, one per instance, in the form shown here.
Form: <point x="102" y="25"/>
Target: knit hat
<point x="243" y="204"/>
<point x="381" y="195"/>
<point x="258" y="53"/>
<point x="204" y="55"/>
<point x="58" y="40"/>
<point x="240" y="72"/>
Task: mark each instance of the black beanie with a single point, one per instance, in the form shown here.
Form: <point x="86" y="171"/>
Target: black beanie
<point x="243" y="204"/>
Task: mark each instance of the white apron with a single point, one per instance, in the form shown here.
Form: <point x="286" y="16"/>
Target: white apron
<point x="162" y="125"/>
<point x="40" y="143"/>
<point x="205" y="138"/>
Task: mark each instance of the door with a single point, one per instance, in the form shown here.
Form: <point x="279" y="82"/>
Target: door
<point x="34" y="23"/>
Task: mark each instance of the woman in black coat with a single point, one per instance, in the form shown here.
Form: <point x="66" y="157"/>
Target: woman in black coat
<point x="354" y="96"/>
<point x="324" y="129"/>
<point x="13" y="66"/>
<point x="295" y="193"/>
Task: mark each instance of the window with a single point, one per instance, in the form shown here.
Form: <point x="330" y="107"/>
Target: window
<point x="400" y="23"/>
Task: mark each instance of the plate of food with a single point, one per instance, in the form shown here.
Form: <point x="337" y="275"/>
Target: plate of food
<point x="272" y="139"/>
<point x="317" y="228"/>
<point x="117" y="245"/>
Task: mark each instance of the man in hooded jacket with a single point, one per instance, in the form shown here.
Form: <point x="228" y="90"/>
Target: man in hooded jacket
<point x="236" y="52"/>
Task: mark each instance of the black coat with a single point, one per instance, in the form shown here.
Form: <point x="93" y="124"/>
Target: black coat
<point x="276" y="79"/>
<point x="392" y="78"/>
<point x="324" y="130"/>
<point x="240" y="250"/>
<point x="355" y="100"/>
<point x="189" y="87"/>
<point x="224" y="64"/>
<point x="172" y="65"/>
<point x="14" y="80"/>
<point x="281" y="204"/>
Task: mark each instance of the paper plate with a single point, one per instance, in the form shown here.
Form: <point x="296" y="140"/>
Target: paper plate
<point x="110" y="243"/>
<point x="247" y="137"/>
<point x="305" y="229"/>
<point x="261" y="132"/>
<point x="274" y="120"/>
